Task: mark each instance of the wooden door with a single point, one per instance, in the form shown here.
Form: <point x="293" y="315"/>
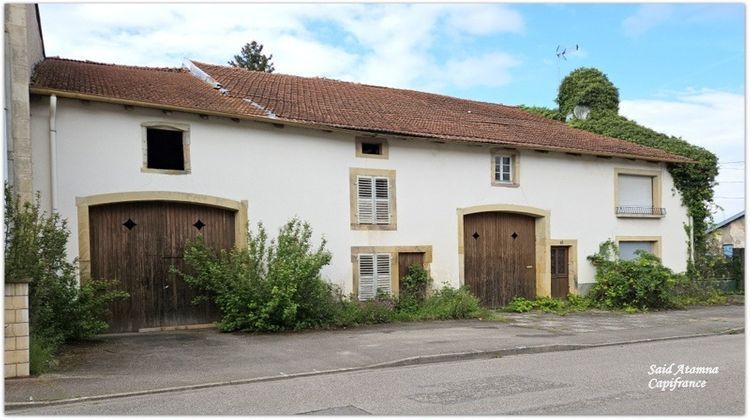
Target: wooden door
<point x="406" y="260"/>
<point x="559" y="268"/>
<point x="137" y="243"/>
<point x="499" y="257"/>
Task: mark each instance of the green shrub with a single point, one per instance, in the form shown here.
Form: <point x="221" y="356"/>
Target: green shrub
<point x="269" y="286"/>
<point x="573" y="303"/>
<point x="414" y="286"/>
<point x="276" y="285"/>
<point x="41" y="354"/>
<point x="641" y="283"/>
<point x="449" y="303"/>
<point x="519" y="304"/>
<point x="59" y="310"/>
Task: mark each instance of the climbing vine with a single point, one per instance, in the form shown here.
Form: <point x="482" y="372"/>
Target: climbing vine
<point x="694" y="181"/>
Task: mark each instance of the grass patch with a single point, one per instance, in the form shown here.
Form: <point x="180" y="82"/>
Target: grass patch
<point x="41" y="354"/>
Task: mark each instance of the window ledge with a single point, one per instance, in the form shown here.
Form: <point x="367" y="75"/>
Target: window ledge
<point x="166" y="171"/>
<point x="358" y="226"/>
<point x="505" y="184"/>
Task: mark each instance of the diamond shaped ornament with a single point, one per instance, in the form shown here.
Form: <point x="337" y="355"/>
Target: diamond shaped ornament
<point x="130" y="224"/>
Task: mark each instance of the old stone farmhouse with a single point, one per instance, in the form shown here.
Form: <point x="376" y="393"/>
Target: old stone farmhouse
<point x="139" y="160"/>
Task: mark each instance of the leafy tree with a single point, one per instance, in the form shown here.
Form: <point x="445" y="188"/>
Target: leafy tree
<point x="588" y="87"/>
<point x="251" y="57"/>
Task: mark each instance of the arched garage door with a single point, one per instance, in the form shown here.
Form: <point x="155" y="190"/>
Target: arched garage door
<point x="499" y="256"/>
<point x="136" y="243"/>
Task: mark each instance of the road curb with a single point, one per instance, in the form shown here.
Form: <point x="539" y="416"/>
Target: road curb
<point x="409" y="361"/>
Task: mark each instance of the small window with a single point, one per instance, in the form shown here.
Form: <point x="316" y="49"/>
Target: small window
<point x="728" y="250"/>
<point x="374" y="275"/>
<point x="505" y="168"/>
<point x="166" y="148"/>
<point x="628" y="248"/>
<point x="371" y="147"/>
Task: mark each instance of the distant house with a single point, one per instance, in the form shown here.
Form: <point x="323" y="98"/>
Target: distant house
<point x="730" y="234"/>
<point x="508" y="203"/>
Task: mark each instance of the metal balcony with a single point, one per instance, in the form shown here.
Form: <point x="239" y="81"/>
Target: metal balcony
<point x="640" y="211"/>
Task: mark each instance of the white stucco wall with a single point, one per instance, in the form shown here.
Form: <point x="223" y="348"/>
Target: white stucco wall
<point x="283" y="172"/>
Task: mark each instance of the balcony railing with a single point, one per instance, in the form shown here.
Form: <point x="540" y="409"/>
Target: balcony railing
<point x="640" y="211"/>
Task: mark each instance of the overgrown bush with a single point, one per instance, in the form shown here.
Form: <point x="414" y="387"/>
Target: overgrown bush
<point x="268" y="286"/>
<point x="573" y="303"/>
<point x="59" y="310"/>
<point x="449" y="303"/>
<point x="414" y="286"/>
<point x="519" y="304"/>
<point x="276" y="285"/>
<point x="641" y="283"/>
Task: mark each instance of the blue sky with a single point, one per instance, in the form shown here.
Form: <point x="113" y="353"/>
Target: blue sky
<point x="680" y="68"/>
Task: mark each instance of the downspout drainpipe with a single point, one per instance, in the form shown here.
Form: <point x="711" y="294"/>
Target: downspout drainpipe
<point x="53" y="150"/>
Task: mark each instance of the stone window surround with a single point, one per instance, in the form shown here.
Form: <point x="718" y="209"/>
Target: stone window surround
<point x="656" y="183"/>
<point x="515" y="167"/>
<point x="388" y="173"/>
<point x="377" y="140"/>
<point x="394" y="251"/>
<point x="172" y="126"/>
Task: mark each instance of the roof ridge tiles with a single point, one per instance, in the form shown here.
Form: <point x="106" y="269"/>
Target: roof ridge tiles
<point x="123" y="66"/>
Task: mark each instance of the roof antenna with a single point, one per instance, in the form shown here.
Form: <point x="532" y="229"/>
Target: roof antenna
<point x="560" y="52"/>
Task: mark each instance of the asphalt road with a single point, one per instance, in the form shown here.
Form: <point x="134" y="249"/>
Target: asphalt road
<point x="606" y="380"/>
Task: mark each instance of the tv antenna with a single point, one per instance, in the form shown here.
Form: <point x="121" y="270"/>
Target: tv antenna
<point x="561" y="53"/>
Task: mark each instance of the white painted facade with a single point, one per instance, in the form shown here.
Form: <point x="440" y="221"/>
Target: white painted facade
<point x="283" y="172"/>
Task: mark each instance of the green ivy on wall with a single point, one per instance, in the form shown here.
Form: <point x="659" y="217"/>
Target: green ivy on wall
<point x="694" y="181"/>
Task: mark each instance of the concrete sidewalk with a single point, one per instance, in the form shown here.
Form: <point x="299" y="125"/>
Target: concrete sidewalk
<point x="146" y="362"/>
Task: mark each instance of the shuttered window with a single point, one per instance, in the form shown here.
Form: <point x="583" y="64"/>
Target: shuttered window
<point x="374" y="275"/>
<point x="636" y="191"/>
<point x="373" y="200"/>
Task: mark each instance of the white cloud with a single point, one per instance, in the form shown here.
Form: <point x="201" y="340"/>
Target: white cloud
<point x="488" y="70"/>
<point x="711" y="119"/>
<point x="485" y="19"/>
<point x="646" y="17"/>
<point x="386" y="44"/>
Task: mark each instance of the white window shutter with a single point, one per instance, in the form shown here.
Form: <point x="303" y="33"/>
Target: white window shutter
<point x="365" y="207"/>
<point x="366" y="277"/>
<point x="382" y="201"/>
<point x="383" y="270"/>
<point x="635" y="190"/>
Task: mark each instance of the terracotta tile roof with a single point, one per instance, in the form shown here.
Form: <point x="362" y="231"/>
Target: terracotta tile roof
<point x="158" y="86"/>
<point x="380" y="109"/>
<point x="332" y="103"/>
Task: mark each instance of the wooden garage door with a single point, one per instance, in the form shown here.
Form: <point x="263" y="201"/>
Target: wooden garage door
<point x="499" y="257"/>
<point x="136" y="243"/>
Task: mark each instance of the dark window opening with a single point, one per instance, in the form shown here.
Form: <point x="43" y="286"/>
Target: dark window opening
<point x="372" y="148"/>
<point x="164" y="149"/>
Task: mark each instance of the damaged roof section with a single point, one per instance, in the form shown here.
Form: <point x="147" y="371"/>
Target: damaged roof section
<point x="206" y="88"/>
<point x="147" y="86"/>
